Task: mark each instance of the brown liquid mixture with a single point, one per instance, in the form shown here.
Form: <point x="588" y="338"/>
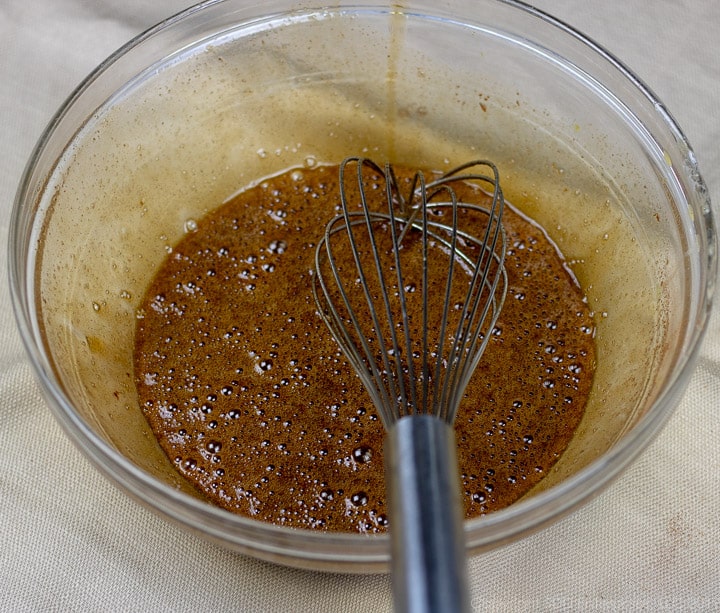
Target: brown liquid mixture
<point x="250" y="397"/>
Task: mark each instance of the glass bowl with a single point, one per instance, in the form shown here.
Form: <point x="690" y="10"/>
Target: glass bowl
<point x="230" y="91"/>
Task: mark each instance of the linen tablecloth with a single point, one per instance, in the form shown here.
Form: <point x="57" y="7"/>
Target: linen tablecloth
<point x="70" y="541"/>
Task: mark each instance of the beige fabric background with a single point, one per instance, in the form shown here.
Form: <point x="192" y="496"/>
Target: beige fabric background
<point x="69" y="541"/>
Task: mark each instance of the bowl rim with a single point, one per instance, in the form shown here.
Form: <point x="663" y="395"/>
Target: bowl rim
<point x="281" y="543"/>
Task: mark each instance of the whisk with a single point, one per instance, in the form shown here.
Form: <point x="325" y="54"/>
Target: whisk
<point x="410" y="288"/>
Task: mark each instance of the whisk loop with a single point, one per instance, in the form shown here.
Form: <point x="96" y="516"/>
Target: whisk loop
<point x="365" y="299"/>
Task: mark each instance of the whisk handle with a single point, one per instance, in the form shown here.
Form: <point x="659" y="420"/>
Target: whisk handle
<point x="426" y="524"/>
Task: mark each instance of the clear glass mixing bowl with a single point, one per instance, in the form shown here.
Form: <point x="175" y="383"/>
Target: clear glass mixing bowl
<point x="229" y="91"/>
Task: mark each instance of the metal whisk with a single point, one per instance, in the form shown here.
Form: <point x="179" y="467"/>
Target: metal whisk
<point x="411" y="287"/>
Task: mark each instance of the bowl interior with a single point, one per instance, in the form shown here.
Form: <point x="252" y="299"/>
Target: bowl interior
<point x="201" y="107"/>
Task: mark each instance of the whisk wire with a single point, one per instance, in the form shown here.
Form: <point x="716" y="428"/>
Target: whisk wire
<point x="437" y="404"/>
<point x="469" y="332"/>
<point x="340" y="332"/>
<point x="394" y="385"/>
<point x="405" y="405"/>
<point x="426" y="290"/>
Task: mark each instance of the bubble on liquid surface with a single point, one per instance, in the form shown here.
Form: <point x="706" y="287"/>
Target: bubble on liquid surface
<point x="277" y="246"/>
<point x="362" y="455"/>
<point x="264" y="366"/>
<point x="359" y="499"/>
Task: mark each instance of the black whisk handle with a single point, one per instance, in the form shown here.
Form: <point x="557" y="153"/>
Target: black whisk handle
<point x="429" y="572"/>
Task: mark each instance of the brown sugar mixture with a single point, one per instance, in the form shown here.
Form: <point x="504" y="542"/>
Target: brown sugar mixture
<point x="250" y="397"/>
